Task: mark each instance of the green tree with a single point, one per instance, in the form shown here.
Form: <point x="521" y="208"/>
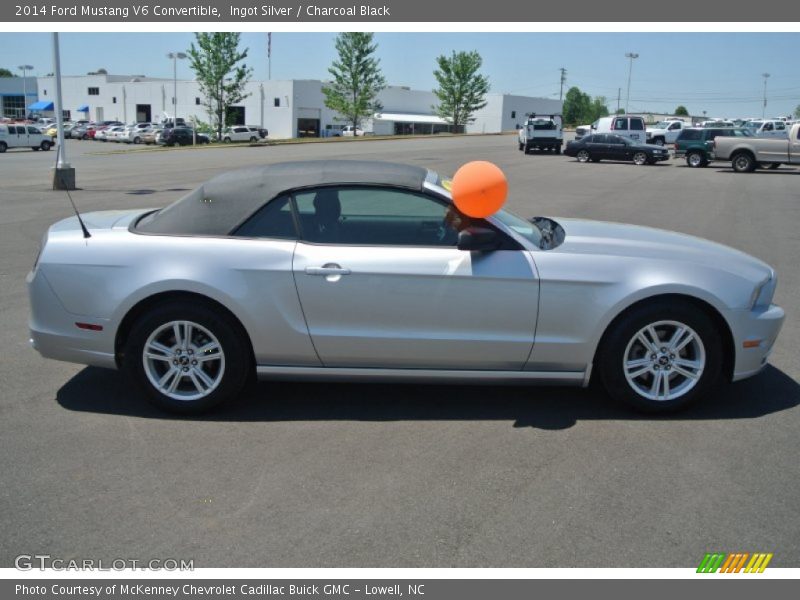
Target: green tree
<point x="681" y="111"/>
<point x="216" y="63"/>
<point x="577" y="106"/>
<point x="597" y="108"/>
<point x="462" y="89"/>
<point x="6" y="73"/>
<point x="357" y="78"/>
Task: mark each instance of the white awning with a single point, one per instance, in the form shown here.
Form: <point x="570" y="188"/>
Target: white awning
<point x="409" y="118"/>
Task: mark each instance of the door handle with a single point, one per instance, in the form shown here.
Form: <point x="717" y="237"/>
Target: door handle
<point x="327" y="269"/>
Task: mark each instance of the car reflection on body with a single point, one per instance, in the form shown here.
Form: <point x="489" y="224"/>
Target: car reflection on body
<point x="343" y="270"/>
<point x="607" y="146"/>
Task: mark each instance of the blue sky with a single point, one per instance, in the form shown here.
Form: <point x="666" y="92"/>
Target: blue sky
<point x="716" y="72"/>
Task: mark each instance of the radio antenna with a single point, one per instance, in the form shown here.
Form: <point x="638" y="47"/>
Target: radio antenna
<point x="65" y="187"/>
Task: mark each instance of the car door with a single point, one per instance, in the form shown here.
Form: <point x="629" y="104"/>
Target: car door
<point x="597" y="145"/>
<point x="383" y="285"/>
<point x="618" y="149"/>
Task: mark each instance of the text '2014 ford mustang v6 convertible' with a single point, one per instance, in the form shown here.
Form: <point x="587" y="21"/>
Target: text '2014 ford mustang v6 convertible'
<point x="369" y="271"/>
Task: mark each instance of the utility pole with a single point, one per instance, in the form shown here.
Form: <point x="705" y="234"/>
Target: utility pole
<point x="619" y="98"/>
<point x="630" y="56"/>
<point x="764" y="108"/>
<point x="269" y="56"/>
<point x="563" y="81"/>
<point x="63" y="173"/>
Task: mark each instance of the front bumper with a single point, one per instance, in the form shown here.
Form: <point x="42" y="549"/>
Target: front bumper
<point x="751" y="326"/>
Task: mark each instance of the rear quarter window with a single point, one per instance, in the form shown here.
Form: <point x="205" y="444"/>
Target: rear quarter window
<point x="689" y="134"/>
<point x="637" y="124"/>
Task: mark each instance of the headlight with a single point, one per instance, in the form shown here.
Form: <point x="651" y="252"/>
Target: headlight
<point x="762" y="295"/>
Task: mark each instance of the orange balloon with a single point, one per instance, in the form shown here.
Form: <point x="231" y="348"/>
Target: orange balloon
<point x="479" y="189"/>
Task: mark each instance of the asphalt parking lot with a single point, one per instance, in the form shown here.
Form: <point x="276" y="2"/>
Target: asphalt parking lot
<point x="357" y="475"/>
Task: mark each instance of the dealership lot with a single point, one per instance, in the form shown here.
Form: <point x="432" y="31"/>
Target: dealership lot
<point x="341" y="475"/>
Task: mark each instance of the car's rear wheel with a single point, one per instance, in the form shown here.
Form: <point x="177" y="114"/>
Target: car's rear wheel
<point x="660" y="357"/>
<point x="696" y="159"/>
<point x="3" y="147"/>
<point x="583" y="156"/>
<point x="640" y="158"/>
<point x="253" y="139"/>
<point x="227" y="140"/>
<point x="743" y="163"/>
<point x="137" y="140"/>
<point x="45" y="145"/>
<point x="187" y="358"/>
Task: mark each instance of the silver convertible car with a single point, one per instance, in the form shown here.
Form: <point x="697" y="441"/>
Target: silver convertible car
<point x="342" y="270"/>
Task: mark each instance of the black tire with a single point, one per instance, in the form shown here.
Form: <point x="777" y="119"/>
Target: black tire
<point x="584" y="156"/>
<point x="521" y="146"/>
<point x="612" y="353"/>
<point x="743" y="162"/>
<point x="696" y="160"/>
<point x="253" y="139"/>
<point x="3" y="147"/>
<point x="659" y="141"/>
<point x="45" y="145"/>
<point x="558" y="149"/>
<point x="137" y="140"/>
<point x="226" y="140"/>
<point x="238" y="362"/>
<point x="641" y="158"/>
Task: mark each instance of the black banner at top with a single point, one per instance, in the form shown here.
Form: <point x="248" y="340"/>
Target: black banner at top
<point x="443" y="11"/>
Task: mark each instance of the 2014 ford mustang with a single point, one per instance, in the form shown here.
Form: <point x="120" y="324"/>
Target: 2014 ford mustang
<point x="367" y="271"/>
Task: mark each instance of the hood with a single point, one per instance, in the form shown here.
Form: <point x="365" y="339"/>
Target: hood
<point x="616" y="239"/>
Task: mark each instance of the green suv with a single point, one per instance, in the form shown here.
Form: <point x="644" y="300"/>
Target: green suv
<point x="695" y="143"/>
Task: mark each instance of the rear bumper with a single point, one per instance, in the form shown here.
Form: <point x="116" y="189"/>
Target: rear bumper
<point x="761" y="326"/>
<point x="53" y="332"/>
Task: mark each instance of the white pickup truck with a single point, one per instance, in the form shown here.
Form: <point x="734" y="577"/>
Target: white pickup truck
<point x="748" y="153"/>
<point x="542" y="132"/>
<point x="665" y="132"/>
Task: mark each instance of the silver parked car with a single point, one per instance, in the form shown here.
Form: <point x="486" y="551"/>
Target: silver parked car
<point x="365" y="270"/>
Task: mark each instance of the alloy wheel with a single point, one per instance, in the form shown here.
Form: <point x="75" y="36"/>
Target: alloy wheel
<point x="183" y="360"/>
<point x="664" y="360"/>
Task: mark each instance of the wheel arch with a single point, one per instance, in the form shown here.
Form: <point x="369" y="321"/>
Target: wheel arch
<point x="720" y="323"/>
<point x="150" y="302"/>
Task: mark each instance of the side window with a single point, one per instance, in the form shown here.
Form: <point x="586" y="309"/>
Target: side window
<point x="637" y="124"/>
<point x="780" y="126"/>
<point x="33" y="130"/>
<point x="621" y="124"/>
<point x="767" y="127"/>
<point x="271" y="221"/>
<point x="675" y="126"/>
<point x="614" y="140"/>
<point x="376" y="216"/>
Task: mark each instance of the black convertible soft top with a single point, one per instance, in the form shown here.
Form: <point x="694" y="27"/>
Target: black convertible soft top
<point x="222" y="203"/>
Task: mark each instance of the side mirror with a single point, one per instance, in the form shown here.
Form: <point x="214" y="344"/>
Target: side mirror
<point x="478" y="239"/>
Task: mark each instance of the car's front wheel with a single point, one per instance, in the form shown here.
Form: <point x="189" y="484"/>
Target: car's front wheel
<point x="640" y="158"/>
<point x="187" y="358"/>
<point x="660" y="357"/>
<point x="583" y="156"/>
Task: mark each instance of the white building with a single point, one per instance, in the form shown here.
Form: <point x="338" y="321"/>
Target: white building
<point x="291" y="108"/>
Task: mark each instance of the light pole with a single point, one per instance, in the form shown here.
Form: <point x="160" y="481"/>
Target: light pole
<point x="63" y="172"/>
<point x="764" y="108"/>
<point x="175" y="56"/>
<point x="630" y="56"/>
<point x="25" y="69"/>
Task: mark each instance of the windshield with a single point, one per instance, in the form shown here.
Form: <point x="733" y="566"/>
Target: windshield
<point x="661" y="125"/>
<point x="526" y="229"/>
